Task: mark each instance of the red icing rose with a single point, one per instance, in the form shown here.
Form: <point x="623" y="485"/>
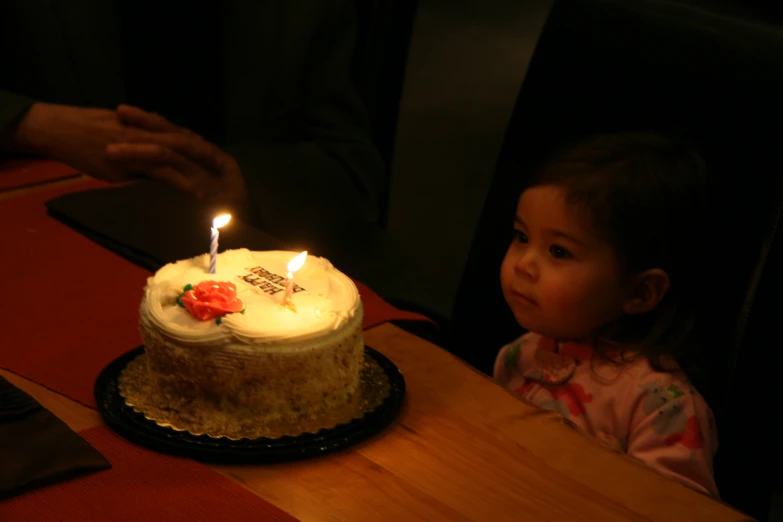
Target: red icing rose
<point x="211" y="299"/>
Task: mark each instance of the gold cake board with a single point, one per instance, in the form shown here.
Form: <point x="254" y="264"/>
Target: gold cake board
<point x="381" y="397"/>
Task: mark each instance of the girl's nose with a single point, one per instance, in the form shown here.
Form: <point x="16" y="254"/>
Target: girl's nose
<point x="527" y="264"/>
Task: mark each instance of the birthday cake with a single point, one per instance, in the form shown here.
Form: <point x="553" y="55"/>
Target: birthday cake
<point x="227" y="355"/>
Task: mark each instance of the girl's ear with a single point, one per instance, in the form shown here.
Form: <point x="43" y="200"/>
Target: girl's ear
<point x="647" y="291"/>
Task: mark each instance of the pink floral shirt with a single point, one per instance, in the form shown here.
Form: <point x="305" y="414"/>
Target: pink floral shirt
<point x="656" y="417"/>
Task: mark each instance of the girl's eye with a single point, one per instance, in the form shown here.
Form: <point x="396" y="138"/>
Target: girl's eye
<point x="519" y="236"/>
<point x="559" y="252"/>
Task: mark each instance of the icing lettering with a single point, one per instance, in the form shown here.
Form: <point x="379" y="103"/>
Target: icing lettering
<point x="266" y="281"/>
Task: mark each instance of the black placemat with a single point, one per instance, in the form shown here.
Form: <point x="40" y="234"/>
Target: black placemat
<point x="36" y="447"/>
<point x="152" y="224"/>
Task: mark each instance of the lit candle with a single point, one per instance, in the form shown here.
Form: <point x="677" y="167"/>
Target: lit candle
<point x="293" y="265"/>
<point x="213" y="243"/>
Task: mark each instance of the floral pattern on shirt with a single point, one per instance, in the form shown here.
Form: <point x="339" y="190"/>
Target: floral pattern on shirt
<point x="655" y="417"/>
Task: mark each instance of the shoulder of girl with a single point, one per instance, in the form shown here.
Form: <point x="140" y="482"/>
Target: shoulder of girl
<point x="672" y="385"/>
<point x="640" y="367"/>
<point x="637" y="371"/>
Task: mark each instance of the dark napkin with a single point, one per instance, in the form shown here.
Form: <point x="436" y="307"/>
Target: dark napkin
<point x="151" y="224"/>
<point x="37" y="448"/>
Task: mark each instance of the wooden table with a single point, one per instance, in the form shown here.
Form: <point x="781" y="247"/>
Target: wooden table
<point x="463" y="448"/>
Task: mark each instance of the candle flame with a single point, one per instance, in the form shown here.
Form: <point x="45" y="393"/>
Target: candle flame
<point x="297" y="262"/>
<point x="221" y="220"/>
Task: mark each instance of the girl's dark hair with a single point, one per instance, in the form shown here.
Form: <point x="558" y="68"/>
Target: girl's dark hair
<point x="645" y="194"/>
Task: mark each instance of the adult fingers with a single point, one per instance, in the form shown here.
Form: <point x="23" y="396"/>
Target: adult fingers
<point x="160" y="163"/>
<point x="184" y="142"/>
<point x="196" y="149"/>
<point x="172" y="177"/>
<point x="151" y="121"/>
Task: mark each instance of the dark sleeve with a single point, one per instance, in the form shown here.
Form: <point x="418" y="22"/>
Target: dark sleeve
<point x="323" y="179"/>
<point x="12" y="106"/>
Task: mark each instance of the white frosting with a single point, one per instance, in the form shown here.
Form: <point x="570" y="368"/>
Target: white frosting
<point x="329" y="300"/>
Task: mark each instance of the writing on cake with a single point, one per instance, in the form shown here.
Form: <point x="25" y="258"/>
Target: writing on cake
<point x="266" y="281"/>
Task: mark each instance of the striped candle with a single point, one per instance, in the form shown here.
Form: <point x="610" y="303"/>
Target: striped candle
<point x="213" y="242"/>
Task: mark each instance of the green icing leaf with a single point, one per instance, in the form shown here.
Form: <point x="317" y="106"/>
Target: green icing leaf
<point x="218" y="320"/>
<point x="243" y="311"/>
<point x="187" y="288"/>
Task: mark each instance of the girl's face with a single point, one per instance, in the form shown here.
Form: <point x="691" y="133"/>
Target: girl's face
<point x="560" y="279"/>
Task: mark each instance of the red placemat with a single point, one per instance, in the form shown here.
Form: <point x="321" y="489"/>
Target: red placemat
<point x="71" y="306"/>
<point x="22" y="172"/>
<point x="142" y="485"/>
<point x="378" y="311"/>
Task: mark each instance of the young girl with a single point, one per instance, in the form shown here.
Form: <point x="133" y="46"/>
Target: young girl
<point x="602" y="273"/>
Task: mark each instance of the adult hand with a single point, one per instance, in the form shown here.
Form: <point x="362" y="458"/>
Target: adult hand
<point x="179" y="157"/>
<point x="76" y="136"/>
